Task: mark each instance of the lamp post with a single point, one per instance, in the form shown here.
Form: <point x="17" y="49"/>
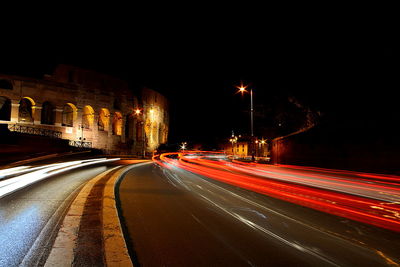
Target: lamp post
<point x="81" y="126"/>
<point x="260" y="148"/>
<point x="242" y="89"/>
<point x="137" y="113"/>
<point x="183" y="146"/>
<point x="233" y="140"/>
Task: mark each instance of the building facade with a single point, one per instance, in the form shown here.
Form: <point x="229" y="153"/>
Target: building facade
<point x="240" y="147"/>
<point x="88" y="108"/>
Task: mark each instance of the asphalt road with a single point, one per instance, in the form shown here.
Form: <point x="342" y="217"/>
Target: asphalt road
<point x="29" y="217"/>
<point x="173" y="217"/>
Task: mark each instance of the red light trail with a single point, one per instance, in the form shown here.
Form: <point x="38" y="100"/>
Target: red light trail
<point x="373" y="199"/>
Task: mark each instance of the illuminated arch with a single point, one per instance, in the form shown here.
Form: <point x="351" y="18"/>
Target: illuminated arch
<point x="87" y="117"/>
<point x="104" y="119"/>
<point x="31" y="100"/>
<point x="117" y="124"/>
<point x="26" y="107"/>
<point x="69" y="115"/>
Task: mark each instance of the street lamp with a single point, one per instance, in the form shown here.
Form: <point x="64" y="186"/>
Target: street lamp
<point x="82" y="140"/>
<point x="260" y="147"/>
<point x="242" y="89"/>
<point x="233" y="140"/>
<point x="138" y="111"/>
<point x="183" y="146"/>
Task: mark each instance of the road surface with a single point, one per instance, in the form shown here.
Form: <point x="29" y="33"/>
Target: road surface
<point x="29" y="216"/>
<point x="173" y="217"/>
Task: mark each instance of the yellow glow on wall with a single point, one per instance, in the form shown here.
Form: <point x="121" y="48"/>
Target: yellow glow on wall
<point x="117" y="123"/>
<point x="154" y="127"/>
<point x="88" y="117"/>
<point x="104" y="119"/>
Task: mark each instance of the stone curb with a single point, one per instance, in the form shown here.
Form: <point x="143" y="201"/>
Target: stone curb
<point x="115" y="249"/>
<point x="62" y="252"/>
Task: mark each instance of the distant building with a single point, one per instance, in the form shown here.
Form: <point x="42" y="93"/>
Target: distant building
<point x="240" y="147"/>
<point x="156" y="118"/>
<point x="88" y="108"/>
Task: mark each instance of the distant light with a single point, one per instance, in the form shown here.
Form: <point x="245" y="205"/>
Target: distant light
<point x="242" y="88"/>
<point x="183" y="145"/>
<point x="137" y="111"/>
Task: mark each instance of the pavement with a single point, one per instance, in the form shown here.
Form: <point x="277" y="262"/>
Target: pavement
<point x="30" y="217"/>
<point x="91" y="233"/>
<point x="62" y="214"/>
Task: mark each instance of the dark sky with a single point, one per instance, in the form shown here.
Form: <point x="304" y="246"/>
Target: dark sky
<point x="341" y="63"/>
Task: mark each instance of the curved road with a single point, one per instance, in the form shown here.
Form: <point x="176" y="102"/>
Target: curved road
<point x="173" y="217"/>
<point x="29" y="217"/>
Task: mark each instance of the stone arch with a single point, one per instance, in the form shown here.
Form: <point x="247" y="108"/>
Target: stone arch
<point x="117" y="124"/>
<point x="139" y="131"/>
<point x="30" y="100"/>
<point x="87" y="117"/>
<point x="6" y="84"/>
<point x="69" y="115"/>
<point x="104" y="119"/>
<point x="5" y="109"/>
<point x="129" y="126"/>
<point x="48" y="113"/>
<point x="25" y="112"/>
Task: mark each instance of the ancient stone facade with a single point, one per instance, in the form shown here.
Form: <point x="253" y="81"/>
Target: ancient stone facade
<point x="86" y="108"/>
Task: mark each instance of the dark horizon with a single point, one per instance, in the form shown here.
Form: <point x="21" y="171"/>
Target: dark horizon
<point x="346" y="74"/>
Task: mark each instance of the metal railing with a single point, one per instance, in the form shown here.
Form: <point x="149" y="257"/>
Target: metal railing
<point x="80" y="144"/>
<point x="34" y="131"/>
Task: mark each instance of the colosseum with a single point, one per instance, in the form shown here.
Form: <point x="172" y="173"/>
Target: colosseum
<point x="87" y="108"/>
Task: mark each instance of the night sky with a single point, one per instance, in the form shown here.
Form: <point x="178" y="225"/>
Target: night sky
<point x="346" y="69"/>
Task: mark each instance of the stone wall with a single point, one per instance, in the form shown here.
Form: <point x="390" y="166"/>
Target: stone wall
<point x="85" y="106"/>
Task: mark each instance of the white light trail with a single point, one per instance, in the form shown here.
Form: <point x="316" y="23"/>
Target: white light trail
<point x="10" y="185"/>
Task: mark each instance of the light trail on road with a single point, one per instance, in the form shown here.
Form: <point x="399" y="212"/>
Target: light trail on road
<point x="17" y="178"/>
<point x="179" y="212"/>
<point x="30" y="215"/>
<point x="370" y="201"/>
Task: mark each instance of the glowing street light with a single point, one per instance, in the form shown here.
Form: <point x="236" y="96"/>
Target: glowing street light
<point x="260" y="147"/>
<point x="242" y="89"/>
<point x="233" y="140"/>
<point x="183" y="146"/>
<point x="138" y="112"/>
